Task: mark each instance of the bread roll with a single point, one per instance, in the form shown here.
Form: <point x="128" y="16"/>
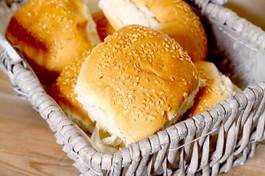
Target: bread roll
<point x="217" y="87"/>
<point x="104" y="28"/>
<point x="63" y="92"/>
<point x="174" y="17"/>
<point x="137" y="82"/>
<point x="51" y="33"/>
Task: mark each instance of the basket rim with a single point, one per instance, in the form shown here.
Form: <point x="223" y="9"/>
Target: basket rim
<point x="152" y="144"/>
<point x="230" y="21"/>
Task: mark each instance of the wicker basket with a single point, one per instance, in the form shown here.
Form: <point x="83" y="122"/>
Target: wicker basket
<point x="210" y="143"/>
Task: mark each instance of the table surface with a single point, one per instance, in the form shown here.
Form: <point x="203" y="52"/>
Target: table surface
<point x="28" y="147"/>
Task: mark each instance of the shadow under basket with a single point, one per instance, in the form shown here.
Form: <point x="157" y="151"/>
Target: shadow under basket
<point x="207" y="144"/>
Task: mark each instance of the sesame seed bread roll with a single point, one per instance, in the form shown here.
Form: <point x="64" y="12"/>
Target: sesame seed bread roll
<point x="51" y="33"/>
<point x="137" y="82"/>
<point x="63" y="93"/>
<point x="174" y="17"/>
<point x="217" y="87"/>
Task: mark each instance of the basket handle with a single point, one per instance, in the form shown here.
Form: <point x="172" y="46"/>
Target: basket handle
<point x="7" y="51"/>
<point x="204" y="2"/>
<point x="8" y="59"/>
<point x="220" y="2"/>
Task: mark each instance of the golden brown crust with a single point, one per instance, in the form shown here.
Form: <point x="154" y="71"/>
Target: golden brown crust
<point x="217" y="88"/>
<point x="180" y="22"/>
<point x="139" y="77"/>
<point x="63" y="92"/>
<point x="104" y="28"/>
<point x="174" y="17"/>
<point x="50" y="33"/>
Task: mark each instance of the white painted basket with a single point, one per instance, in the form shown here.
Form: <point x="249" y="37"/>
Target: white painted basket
<point x="210" y="143"/>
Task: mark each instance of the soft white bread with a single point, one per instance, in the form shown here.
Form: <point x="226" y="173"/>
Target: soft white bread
<point x="51" y="33"/>
<point x="174" y="17"/>
<point x="217" y="87"/>
<point x="137" y="82"/>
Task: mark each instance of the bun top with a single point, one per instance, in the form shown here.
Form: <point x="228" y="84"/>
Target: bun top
<point x="179" y="21"/>
<point x="51" y="33"/>
<point x="136" y="82"/>
<point x="174" y="17"/>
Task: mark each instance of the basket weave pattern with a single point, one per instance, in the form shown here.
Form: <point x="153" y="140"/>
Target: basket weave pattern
<point x="210" y="143"/>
